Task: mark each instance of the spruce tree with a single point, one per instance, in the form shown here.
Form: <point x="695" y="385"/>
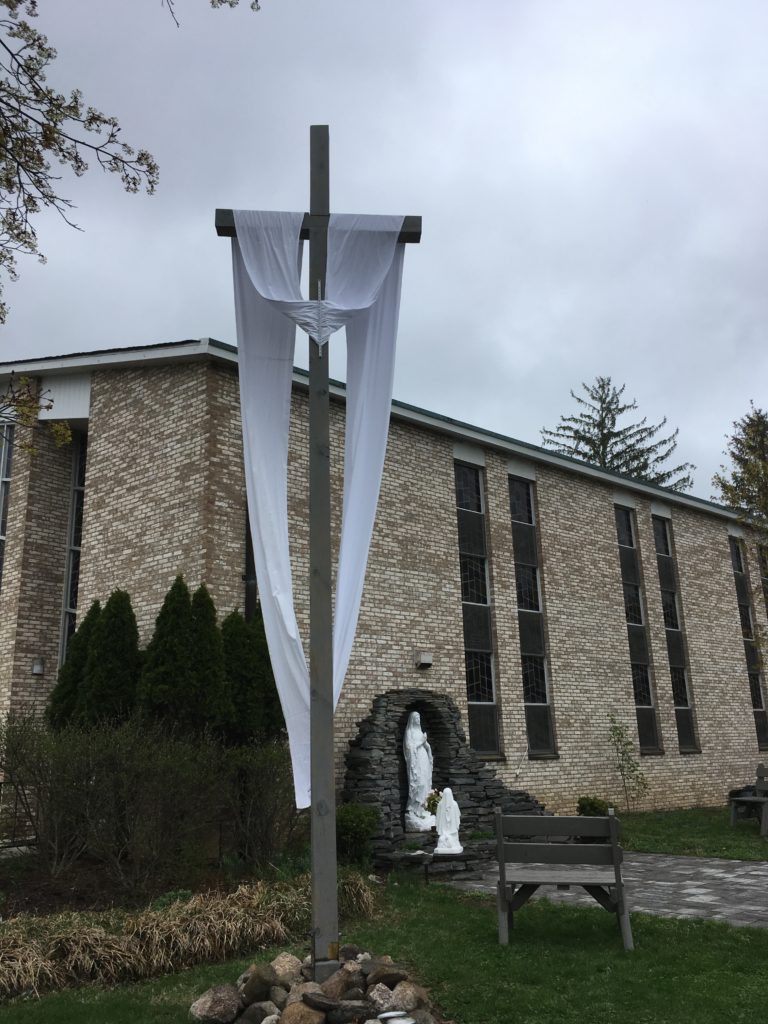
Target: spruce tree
<point x="257" y="714"/>
<point x="63" y="699"/>
<point x="744" y="487"/>
<point x="110" y="679"/>
<point x="635" y="450"/>
<point x="167" y="676"/>
<point x="209" y="705"/>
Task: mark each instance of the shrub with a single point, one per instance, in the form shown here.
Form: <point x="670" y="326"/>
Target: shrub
<point x="63" y="699"/>
<point x="355" y="825"/>
<point x="257" y="715"/>
<point x="167" y="676"/>
<point x="259" y="803"/>
<point x="592" y="807"/>
<point x="50" y="776"/>
<point x="140" y="801"/>
<point x="110" y="678"/>
<point x="207" y="705"/>
<point x="633" y="780"/>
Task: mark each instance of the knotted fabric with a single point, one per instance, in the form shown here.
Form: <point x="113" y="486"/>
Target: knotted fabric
<point x="362" y="294"/>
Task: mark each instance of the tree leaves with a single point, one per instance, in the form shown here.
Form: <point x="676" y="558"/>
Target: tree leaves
<point x="636" y="450"/>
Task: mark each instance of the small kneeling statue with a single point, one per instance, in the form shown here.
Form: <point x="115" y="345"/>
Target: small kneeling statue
<point x="448" y="817"/>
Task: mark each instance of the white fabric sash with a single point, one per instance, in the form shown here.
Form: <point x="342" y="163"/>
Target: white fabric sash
<point x="363" y="280"/>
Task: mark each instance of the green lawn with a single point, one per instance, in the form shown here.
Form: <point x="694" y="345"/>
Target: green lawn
<point x="564" y="965"/>
<point x="699" y="832"/>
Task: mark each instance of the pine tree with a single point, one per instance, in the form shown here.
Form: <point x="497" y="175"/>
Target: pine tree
<point x="257" y="714"/>
<point x="635" y="450"/>
<point x="110" y="679"/>
<point x="63" y="699"/>
<point x="167" y="677"/>
<point x="744" y="487"/>
<point x="209" y="705"/>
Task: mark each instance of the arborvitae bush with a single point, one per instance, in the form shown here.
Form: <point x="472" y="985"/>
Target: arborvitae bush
<point x="355" y="826"/>
<point x="167" y="675"/>
<point x="110" y="679"/>
<point x="63" y="699"/>
<point x="257" y="715"/>
<point x="208" y="705"/>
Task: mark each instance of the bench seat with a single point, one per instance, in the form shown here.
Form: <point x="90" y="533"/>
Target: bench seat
<point x="535" y="851"/>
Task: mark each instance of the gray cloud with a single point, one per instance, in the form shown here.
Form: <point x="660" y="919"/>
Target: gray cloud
<point x="591" y="177"/>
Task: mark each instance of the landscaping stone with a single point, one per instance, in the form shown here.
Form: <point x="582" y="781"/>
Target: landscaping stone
<point x="342" y="980"/>
<point x="257" y="1013"/>
<point x="298" y="990"/>
<point x="300" y="1013"/>
<point x="320" y="1001"/>
<point x="256" y="987"/>
<point x="349" y="1011"/>
<point x="388" y="975"/>
<point x="219" y="1005"/>
<point x="386" y="996"/>
<point x="279" y="996"/>
<point x="407" y="995"/>
<point x="287" y="968"/>
<point x="380" y="996"/>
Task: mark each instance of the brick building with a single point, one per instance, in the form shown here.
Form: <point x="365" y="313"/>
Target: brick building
<point x="549" y="593"/>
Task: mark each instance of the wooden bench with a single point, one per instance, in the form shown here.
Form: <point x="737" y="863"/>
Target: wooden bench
<point x="525" y="839"/>
<point x="759" y="802"/>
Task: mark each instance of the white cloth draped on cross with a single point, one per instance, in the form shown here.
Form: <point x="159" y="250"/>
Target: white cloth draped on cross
<point x="362" y="293"/>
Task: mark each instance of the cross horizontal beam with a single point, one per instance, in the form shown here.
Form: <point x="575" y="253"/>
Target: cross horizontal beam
<point x="225" y="226"/>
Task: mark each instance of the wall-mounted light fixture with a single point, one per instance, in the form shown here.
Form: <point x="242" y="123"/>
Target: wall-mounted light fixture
<point x="423" y="659"/>
<point x="38" y="666"/>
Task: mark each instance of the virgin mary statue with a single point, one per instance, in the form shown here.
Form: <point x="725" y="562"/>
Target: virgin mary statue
<point x="418" y="761"/>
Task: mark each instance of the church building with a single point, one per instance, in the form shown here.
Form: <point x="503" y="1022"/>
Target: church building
<point x="539" y="593"/>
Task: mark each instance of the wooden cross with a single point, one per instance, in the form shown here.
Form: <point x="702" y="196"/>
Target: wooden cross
<point x="325" y="913"/>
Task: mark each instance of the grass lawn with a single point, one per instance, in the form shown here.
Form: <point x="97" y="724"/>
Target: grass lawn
<point x="699" y="832"/>
<point x="564" y="965"/>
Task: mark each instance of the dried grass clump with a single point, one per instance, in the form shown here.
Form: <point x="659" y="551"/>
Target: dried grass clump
<point x="66" y="950"/>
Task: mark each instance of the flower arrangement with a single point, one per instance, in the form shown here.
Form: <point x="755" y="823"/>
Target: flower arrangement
<point x="433" y="799"/>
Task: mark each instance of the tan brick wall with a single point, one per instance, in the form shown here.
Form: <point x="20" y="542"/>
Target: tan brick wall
<point x="32" y="590"/>
<point x="165" y="494"/>
<point x="164" y="489"/>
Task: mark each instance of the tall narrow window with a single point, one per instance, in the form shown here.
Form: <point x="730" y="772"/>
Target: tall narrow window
<point x="530" y="617"/>
<point x="751" y="653"/>
<point x="482" y="709"/>
<point x="670" y="605"/>
<point x="763" y="555"/>
<point x="72" y="578"/>
<point x="645" y="709"/>
<point x="6" y="455"/>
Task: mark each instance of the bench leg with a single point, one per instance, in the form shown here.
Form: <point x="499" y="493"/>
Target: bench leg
<point x="733" y="814"/>
<point x="626" y="928"/>
<point x="504" y="915"/>
<point x="764" y="820"/>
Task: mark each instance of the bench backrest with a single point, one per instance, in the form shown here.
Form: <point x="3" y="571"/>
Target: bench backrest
<point x="761" y="783"/>
<point x="527" y="839"/>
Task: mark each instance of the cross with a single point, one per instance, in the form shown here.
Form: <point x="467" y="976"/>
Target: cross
<point x="325" y="914"/>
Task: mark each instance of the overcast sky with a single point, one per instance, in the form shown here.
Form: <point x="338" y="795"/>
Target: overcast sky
<point x="592" y="177"/>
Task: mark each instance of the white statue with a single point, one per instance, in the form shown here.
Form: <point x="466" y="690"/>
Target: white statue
<point x="418" y="761"/>
<point x="448" y="818"/>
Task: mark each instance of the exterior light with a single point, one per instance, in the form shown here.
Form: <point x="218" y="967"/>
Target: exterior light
<point x="38" y="666"/>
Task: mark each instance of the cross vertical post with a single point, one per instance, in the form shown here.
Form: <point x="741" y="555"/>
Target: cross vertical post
<point x="325" y="911"/>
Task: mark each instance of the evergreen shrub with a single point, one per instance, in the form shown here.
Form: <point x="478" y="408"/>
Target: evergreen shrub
<point x="167" y="676"/>
<point x="110" y="679"/>
<point x="208" y="705"/>
<point x="63" y="699"/>
<point x="256" y="712"/>
<point x="355" y="825"/>
<point x="592" y="807"/>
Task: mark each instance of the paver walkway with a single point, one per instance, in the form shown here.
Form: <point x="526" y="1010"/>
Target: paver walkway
<point x="735" y="891"/>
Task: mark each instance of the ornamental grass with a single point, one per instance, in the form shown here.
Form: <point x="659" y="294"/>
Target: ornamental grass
<point x="39" y="954"/>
